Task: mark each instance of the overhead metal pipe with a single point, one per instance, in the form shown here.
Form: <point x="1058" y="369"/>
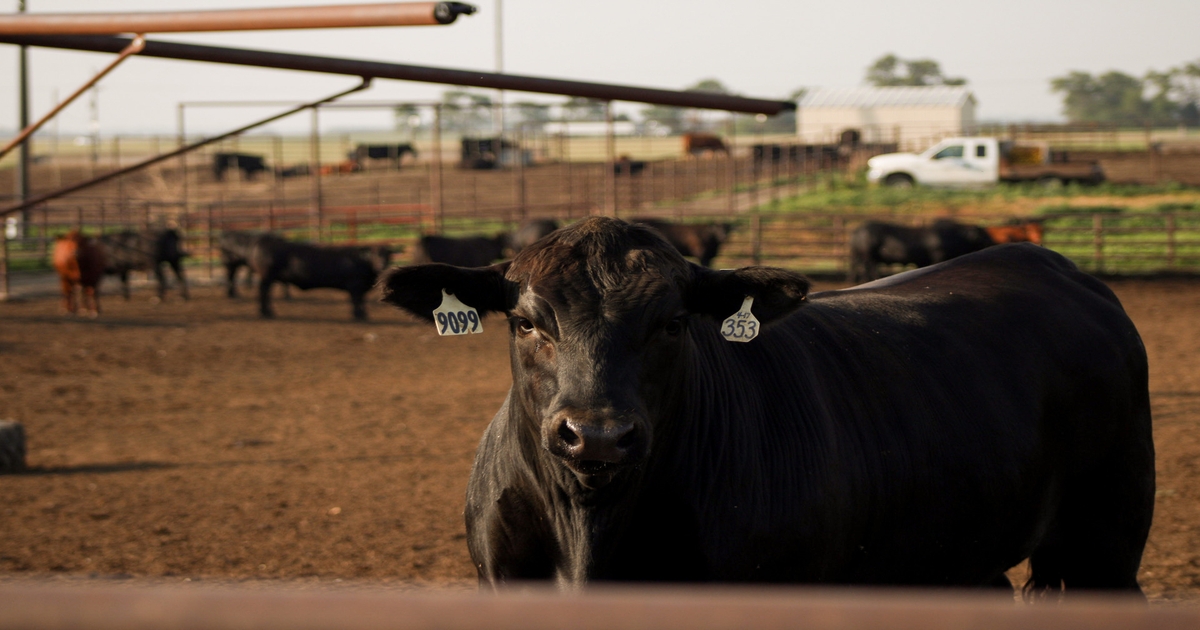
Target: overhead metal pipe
<point x="381" y="70"/>
<point x="366" y="82"/>
<point x="132" y="49"/>
<point x="339" y="16"/>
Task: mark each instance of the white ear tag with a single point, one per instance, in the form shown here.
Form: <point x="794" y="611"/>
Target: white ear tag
<point x="455" y="318"/>
<point x="742" y="326"/>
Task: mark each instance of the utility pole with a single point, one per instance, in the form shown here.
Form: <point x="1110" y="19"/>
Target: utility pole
<point x="23" y="113"/>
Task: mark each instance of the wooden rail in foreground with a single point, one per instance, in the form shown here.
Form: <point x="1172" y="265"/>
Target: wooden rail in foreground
<point x="87" y="607"/>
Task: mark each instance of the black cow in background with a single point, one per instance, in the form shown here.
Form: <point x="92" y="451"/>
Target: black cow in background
<point x="465" y="251"/>
<point x="145" y="251"/>
<point x="529" y="232"/>
<point x="247" y="163"/>
<point x="627" y="166"/>
<point x="877" y="242"/>
<point x="392" y="152"/>
<point x="238" y="249"/>
<point x="933" y="428"/>
<point x="352" y="269"/>
<point x="702" y="241"/>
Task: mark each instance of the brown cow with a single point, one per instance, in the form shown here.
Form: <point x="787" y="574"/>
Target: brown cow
<point x="1017" y="232"/>
<point x="79" y="261"/>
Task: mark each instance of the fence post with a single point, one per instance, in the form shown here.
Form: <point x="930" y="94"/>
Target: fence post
<point x="210" y="243"/>
<point x="522" y="184"/>
<point x="278" y="183"/>
<point x="4" y="286"/>
<point x="610" y="159"/>
<point x="1098" y="241"/>
<point x="436" y="170"/>
<point x="839" y="227"/>
<point x="731" y="166"/>
<point x="756" y="235"/>
<point x="1171" y="241"/>
<point x="45" y="232"/>
<point x="314" y="151"/>
<point x="183" y="170"/>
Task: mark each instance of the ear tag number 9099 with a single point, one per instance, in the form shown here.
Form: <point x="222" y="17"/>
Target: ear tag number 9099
<point x="742" y="326"/>
<point x="455" y="318"/>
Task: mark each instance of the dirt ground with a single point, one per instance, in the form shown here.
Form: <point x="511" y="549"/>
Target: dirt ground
<point x="193" y="440"/>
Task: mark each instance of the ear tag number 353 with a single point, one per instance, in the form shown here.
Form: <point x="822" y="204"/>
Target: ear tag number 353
<point x="455" y="318"/>
<point x="742" y="326"/>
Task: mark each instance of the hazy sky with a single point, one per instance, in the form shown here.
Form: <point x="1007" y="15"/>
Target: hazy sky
<point x="1008" y="50"/>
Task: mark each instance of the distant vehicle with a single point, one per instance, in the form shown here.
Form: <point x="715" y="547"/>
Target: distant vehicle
<point x="979" y="161"/>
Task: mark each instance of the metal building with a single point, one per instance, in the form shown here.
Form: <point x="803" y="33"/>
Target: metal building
<point x="913" y="117"/>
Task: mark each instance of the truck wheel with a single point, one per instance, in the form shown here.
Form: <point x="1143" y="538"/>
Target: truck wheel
<point x="12" y="446"/>
<point x="899" y="180"/>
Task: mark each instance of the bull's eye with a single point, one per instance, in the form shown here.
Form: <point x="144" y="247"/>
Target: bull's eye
<point x="523" y="326"/>
<point x="674" y="327"/>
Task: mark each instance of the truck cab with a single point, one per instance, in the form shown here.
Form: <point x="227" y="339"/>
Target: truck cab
<point x="957" y="162"/>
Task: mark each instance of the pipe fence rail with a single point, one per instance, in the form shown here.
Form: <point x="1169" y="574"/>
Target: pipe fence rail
<point x="396" y="201"/>
<point x="607" y="608"/>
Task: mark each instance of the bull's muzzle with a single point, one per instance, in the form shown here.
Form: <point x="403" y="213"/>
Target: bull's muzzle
<point x="595" y="444"/>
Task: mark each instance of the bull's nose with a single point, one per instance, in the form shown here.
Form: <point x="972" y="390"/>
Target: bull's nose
<point x="579" y="440"/>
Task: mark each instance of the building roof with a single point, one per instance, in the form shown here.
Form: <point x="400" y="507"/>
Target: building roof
<point x="867" y="97"/>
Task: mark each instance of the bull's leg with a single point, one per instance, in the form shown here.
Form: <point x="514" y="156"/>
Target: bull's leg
<point x="68" y="291"/>
<point x="856" y="270"/>
<point x="162" y="282"/>
<point x="871" y="269"/>
<point x="1100" y="528"/>
<point x="177" y="267"/>
<point x="91" y="300"/>
<point x="264" y="295"/>
<point x="125" y="283"/>
<point x="359" y="309"/>
<point x="231" y="275"/>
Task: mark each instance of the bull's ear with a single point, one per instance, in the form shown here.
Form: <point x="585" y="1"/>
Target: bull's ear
<point x="418" y="288"/>
<point x="719" y="294"/>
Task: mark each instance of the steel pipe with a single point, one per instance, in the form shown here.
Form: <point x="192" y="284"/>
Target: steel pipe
<point x="132" y="49"/>
<point x="381" y="70"/>
<point x="340" y="16"/>
<point x="95" y="607"/>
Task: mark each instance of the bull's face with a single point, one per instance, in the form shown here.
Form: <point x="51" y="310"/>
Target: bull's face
<point x="601" y="318"/>
<point x="596" y="346"/>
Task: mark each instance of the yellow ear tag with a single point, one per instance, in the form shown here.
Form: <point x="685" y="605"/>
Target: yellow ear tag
<point x="742" y="326"/>
<point x="455" y="318"/>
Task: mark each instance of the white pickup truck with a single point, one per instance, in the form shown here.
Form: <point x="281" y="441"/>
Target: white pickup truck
<point x="977" y="161"/>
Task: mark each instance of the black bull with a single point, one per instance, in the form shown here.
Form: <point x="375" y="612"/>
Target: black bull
<point x="934" y="428"/>
<point x="352" y="269"/>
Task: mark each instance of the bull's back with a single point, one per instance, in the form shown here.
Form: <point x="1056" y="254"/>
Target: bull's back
<point x="921" y="416"/>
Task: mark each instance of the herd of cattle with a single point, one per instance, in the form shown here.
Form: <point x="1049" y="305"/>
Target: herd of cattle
<point x="251" y="164"/>
<point x="934" y="427"/>
<point x="82" y="261"/>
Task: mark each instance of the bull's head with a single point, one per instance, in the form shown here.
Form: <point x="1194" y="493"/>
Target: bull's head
<point x="602" y="319"/>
